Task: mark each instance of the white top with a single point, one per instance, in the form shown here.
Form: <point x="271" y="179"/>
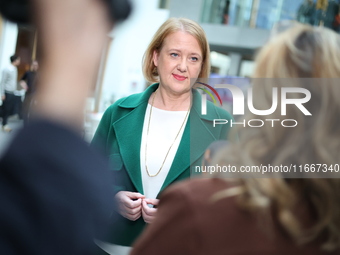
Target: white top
<point x="164" y="126"/>
<point x="9" y="79"/>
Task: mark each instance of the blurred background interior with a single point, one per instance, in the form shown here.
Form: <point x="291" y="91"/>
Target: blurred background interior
<point x="236" y="29"/>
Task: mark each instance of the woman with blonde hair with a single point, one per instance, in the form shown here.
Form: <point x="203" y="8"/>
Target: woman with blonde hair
<point x="155" y="137"/>
<point x="282" y="214"/>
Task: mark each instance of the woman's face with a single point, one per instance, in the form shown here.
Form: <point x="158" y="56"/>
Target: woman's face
<point x="179" y="60"/>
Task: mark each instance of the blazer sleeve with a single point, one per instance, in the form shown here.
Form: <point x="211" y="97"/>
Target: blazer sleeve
<point x="101" y="136"/>
<point x="104" y="138"/>
<point x="105" y="141"/>
<point x="173" y="231"/>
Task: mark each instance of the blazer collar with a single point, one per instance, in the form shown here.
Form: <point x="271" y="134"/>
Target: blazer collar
<point x="197" y="107"/>
<point x="135" y="100"/>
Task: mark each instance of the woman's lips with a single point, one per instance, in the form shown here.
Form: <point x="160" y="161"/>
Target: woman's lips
<point x="179" y="77"/>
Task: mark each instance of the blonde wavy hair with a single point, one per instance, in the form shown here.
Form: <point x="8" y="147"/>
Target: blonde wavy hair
<point x="300" y="52"/>
<point x="170" y="26"/>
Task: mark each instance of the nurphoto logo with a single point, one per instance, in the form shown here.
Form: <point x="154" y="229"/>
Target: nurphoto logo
<point x="238" y="103"/>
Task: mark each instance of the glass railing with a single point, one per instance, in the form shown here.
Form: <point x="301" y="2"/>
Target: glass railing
<point x="265" y="13"/>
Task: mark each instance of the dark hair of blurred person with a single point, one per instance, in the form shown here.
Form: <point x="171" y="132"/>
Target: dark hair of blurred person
<point x="267" y="215"/>
<point x="13" y="58"/>
<point x="55" y="193"/>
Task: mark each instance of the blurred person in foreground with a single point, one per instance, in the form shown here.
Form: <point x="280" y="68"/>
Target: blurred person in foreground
<point x="266" y="215"/>
<point x="154" y="137"/>
<point x="55" y="193"/>
<point x="28" y="82"/>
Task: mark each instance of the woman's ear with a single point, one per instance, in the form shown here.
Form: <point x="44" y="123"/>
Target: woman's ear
<point x="155" y="58"/>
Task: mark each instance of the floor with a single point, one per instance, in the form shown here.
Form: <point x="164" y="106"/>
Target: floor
<point x="15" y="124"/>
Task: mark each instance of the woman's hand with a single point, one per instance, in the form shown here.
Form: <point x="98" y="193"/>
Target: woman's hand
<point x="147" y="212"/>
<point x="129" y="204"/>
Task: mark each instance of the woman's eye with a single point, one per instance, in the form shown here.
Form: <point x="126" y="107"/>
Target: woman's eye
<point x="194" y="59"/>
<point x="174" y="54"/>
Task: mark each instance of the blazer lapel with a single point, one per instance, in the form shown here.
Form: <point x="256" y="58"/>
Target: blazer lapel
<point x="196" y="138"/>
<point x="129" y="130"/>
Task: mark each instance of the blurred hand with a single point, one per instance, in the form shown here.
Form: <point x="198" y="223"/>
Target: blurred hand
<point x="129" y="204"/>
<point x="147" y="212"/>
<point x="3" y="97"/>
<point x="23" y="84"/>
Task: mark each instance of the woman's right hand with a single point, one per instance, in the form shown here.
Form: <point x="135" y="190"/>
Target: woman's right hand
<point x="129" y="204"/>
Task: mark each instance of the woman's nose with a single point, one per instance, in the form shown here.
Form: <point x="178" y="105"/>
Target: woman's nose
<point x="182" y="66"/>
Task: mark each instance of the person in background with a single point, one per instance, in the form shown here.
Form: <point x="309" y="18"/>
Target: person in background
<point x="267" y="215"/>
<point x="153" y="138"/>
<point x="55" y="192"/>
<point x="306" y="12"/>
<point x="27" y="82"/>
<point x="320" y="11"/>
<point x="7" y="87"/>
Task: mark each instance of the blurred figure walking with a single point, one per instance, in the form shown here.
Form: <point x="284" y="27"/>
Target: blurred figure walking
<point x="7" y="87"/>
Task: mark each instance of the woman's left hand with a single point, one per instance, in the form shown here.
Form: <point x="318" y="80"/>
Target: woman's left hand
<point x="147" y="212"/>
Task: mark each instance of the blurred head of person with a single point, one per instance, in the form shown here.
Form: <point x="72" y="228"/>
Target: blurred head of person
<point x="301" y="51"/>
<point x="34" y="66"/>
<point x="307" y="57"/>
<point x="178" y="52"/>
<point x="15" y="60"/>
<point x="20" y="11"/>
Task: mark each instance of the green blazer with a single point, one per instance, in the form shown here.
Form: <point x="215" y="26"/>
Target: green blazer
<point x="119" y="135"/>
